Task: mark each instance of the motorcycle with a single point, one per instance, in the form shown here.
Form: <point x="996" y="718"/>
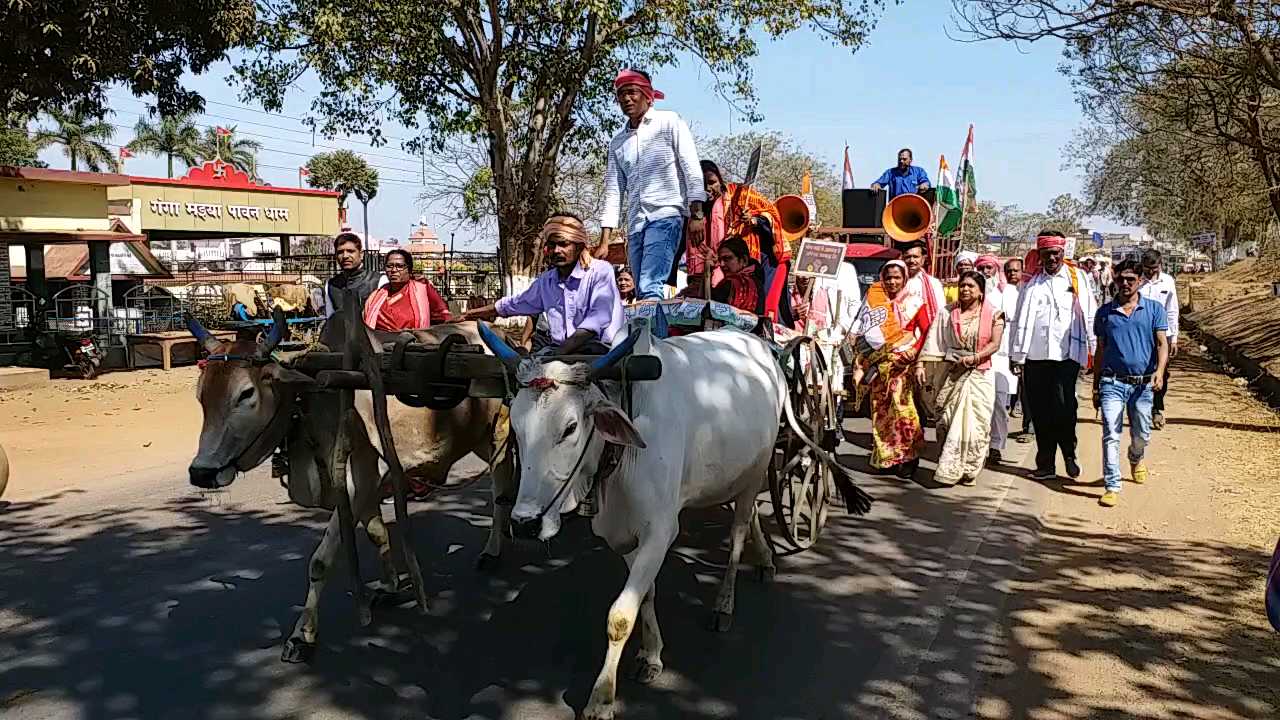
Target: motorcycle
<point x="76" y="352"/>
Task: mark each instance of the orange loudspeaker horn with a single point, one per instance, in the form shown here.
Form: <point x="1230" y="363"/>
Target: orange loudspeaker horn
<point x="907" y="217"/>
<point x="795" y="216"/>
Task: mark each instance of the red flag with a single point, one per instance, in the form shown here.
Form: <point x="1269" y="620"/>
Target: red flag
<point x="304" y="172"/>
<point x="222" y="132"/>
<point x="125" y="153"/>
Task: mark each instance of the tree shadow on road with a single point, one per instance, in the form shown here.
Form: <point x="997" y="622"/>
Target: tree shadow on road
<point x="179" y="611"/>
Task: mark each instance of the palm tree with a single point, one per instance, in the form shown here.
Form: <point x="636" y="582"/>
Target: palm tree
<point x="365" y="190"/>
<point x="241" y="154"/>
<point x="83" y="138"/>
<point x="171" y="137"/>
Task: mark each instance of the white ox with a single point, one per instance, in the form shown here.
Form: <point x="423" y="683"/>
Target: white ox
<point x="701" y="435"/>
<point x="247" y="401"/>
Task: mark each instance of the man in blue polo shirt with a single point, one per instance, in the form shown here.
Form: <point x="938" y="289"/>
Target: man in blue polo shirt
<point x="903" y="179"/>
<point x="1132" y="353"/>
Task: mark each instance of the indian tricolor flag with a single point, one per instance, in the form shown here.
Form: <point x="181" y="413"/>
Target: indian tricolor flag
<point x="967" y="187"/>
<point x="948" y="206"/>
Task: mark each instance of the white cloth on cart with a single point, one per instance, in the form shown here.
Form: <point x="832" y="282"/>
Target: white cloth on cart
<point x="842" y="297"/>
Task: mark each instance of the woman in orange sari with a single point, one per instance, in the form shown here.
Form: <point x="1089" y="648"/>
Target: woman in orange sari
<point x="887" y="344"/>
<point x="736" y="210"/>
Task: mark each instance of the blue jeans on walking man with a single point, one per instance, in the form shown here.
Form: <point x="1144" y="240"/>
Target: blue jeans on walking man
<point x="1116" y="396"/>
<point x="650" y="253"/>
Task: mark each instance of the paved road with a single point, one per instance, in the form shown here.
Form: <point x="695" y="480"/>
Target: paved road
<point x="142" y="598"/>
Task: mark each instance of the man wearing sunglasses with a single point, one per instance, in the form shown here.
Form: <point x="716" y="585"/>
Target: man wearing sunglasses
<point x="579" y="297"/>
<point x="1133" y="350"/>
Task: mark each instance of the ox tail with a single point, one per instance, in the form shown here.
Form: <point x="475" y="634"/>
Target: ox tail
<point x="856" y="500"/>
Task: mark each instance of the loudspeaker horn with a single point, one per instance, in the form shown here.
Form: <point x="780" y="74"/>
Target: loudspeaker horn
<point x="907" y="217"/>
<point x="795" y="217"/>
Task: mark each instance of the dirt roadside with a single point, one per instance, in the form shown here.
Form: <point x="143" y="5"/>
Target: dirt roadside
<point x="1153" y="609"/>
<point x="117" y="426"/>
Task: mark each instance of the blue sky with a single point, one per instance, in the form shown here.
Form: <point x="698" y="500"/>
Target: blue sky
<point x="910" y="85"/>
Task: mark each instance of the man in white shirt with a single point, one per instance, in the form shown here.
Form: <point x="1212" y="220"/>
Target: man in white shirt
<point x="1004" y="299"/>
<point x="652" y="165"/>
<point x="923" y="290"/>
<point x="1160" y="286"/>
<point x="1052" y="339"/>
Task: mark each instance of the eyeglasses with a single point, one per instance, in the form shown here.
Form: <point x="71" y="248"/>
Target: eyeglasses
<point x="1127" y="279"/>
<point x="397" y="266"/>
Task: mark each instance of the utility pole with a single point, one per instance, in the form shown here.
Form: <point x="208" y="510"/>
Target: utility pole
<point x="448" y="265"/>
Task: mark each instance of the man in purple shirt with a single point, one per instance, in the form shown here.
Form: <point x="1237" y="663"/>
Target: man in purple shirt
<point x="578" y="295"/>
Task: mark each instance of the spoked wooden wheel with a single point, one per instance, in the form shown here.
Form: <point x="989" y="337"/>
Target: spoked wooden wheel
<point x="800" y="485"/>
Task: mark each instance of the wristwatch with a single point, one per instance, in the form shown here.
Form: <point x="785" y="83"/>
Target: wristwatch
<point x="696" y="214"/>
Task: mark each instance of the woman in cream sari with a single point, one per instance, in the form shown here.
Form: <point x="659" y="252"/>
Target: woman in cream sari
<point x="965" y="336"/>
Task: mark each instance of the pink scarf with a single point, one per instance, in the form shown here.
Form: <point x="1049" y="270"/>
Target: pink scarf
<point x="693" y="260"/>
<point x="984" y="329"/>
<point x="418" y="295"/>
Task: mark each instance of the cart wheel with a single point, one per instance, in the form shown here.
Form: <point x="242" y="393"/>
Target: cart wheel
<point x="800" y="485"/>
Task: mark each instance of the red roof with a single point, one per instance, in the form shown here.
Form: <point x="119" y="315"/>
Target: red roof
<point x="217" y="175"/>
<point x="67" y="176"/>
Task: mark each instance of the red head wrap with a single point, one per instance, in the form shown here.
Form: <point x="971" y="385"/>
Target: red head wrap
<point x="631" y="77"/>
<point x="1050" y="241"/>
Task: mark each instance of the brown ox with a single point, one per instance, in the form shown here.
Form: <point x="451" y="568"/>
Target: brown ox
<point x="248" y="401"/>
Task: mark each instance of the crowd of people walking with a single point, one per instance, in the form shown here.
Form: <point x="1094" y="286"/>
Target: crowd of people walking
<point x="1008" y="340"/>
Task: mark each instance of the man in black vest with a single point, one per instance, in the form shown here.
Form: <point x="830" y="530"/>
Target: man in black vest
<point x="352" y="274"/>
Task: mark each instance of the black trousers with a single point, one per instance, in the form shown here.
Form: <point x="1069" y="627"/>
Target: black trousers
<point x="1157" y="402"/>
<point x="1051" y="404"/>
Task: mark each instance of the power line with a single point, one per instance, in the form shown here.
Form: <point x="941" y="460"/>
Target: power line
<point x="393" y="181"/>
<point x="266" y="148"/>
<point x="309" y="132"/>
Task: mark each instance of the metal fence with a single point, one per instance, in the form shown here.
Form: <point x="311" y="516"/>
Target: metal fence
<point x="457" y="275"/>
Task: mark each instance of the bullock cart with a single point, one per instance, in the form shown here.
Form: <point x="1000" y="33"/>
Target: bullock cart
<point x="436" y="375"/>
<point x="802" y="479"/>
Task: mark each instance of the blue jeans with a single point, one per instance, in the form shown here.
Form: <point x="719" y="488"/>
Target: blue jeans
<point x="1116" y="396"/>
<point x="651" y="252"/>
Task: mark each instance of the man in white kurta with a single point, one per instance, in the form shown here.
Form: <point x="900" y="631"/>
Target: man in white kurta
<point x="1052" y="340"/>
<point x="1004" y="299"/>
<point x="923" y="290"/>
<point x="832" y="310"/>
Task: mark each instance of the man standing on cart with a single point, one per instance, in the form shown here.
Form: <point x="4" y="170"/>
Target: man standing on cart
<point x="653" y="167"/>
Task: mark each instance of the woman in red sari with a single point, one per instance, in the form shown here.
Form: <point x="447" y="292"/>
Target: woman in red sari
<point x="404" y="303"/>
<point x="743" y="283"/>
<point x="735" y="210"/>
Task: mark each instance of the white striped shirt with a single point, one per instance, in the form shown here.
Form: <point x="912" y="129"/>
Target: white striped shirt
<point x="1164" y="290"/>
<point x="655" y="167"/>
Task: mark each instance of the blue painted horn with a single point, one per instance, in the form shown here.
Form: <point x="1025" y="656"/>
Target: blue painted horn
<point x="497" y="344"/>
<point x="197" y="330"/>
<point x="660" y="329"/>
<point x="610" y="358"/>
<point x="279" y="326"/>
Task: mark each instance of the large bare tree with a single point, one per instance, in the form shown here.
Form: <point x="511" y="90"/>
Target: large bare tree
<point x="1201" y="74"/>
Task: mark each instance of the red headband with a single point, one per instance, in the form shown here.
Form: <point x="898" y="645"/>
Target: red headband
<point x="631" y="77"/>
<point x="987" y="260"/>
<point x="1050" y="241"/>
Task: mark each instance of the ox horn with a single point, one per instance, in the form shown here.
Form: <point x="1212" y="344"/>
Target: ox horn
<point x="279" y="326"/>
<point x="606" y="361"/>
<point x="207" y="341"/>
<point x="497" y="344"/>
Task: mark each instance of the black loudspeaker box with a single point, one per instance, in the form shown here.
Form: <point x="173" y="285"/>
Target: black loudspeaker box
<point x="862" y="208"/>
